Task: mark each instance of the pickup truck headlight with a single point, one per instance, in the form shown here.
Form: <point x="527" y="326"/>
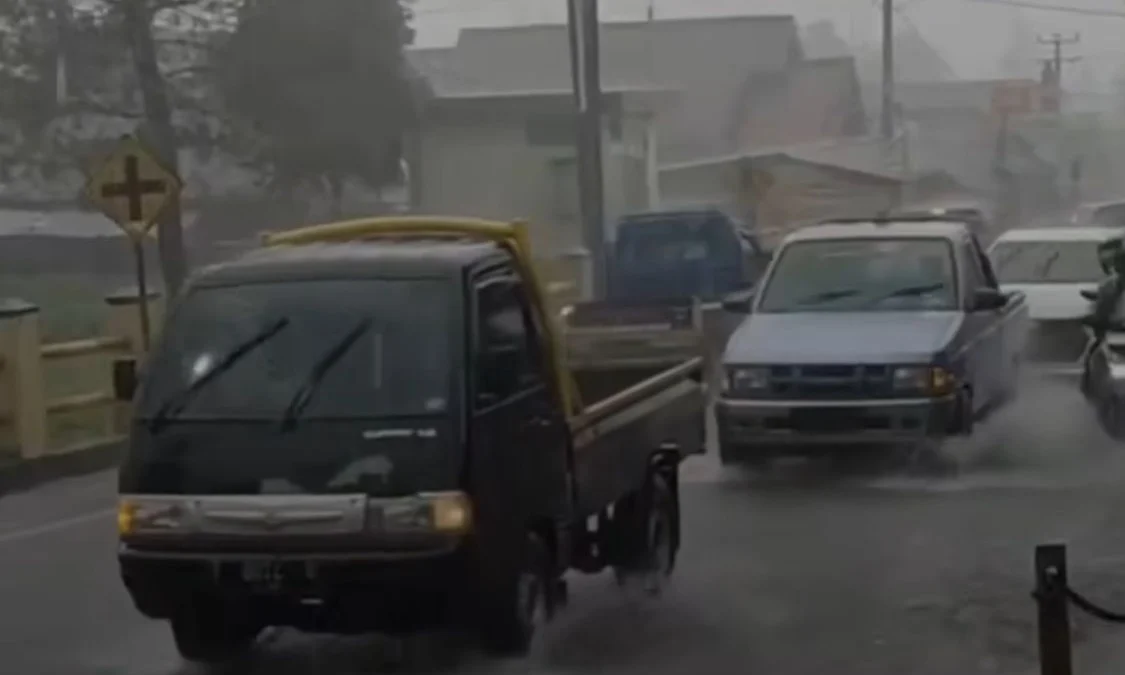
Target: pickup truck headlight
<point x="925" y="380"/>
<point x="746" y="379"/>
<point x="445" y="512"/>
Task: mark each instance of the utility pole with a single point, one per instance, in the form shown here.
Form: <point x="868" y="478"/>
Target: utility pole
<point x="137" y="17"/>
<point x="888" y="124"/>
<point x="585" y="62"/>
<point x="1057" y="42"/>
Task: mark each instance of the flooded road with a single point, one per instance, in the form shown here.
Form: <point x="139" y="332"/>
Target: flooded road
<point x="805" y="571"/>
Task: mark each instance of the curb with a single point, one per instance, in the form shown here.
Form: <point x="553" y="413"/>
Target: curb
<point x="25" y="475"/>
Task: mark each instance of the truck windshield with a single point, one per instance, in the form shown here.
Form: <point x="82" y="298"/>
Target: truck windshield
<point x="862" y="275"/>
<point x="399" y="365"/>
<point x="671" y="240"/>
<point x="1046" y="262"/>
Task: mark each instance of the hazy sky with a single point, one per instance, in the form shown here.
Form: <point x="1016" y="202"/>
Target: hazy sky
<point x="971" y="35"/>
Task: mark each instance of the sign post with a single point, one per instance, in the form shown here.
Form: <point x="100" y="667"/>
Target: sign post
<point x="132" y="188"/>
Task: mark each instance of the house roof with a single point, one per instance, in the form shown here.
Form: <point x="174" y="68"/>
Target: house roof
<point x="966" y="148"/>
<point x="707" y="58"/>
<point x="867" y="155"/>
<point x="973" y="95"/>
<point x="812" y="99"/>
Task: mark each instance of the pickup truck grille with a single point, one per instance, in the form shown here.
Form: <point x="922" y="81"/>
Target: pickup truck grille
<point x="1056" y="342"/>
<point x="830" y="382"/>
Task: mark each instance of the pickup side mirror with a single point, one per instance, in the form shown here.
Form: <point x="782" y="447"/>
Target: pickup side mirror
<point x="124" y="379"/>
<point x="741" y="302"/>
<point x="987" y="300"/>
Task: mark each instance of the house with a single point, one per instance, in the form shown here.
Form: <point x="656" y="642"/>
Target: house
<point x="810" y="100"/>
<point x="511" y="155"/>
<point x="707" y="59"/>
<point x="786" y="187"/>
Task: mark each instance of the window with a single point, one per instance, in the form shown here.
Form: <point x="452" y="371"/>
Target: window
<point x="506" y="363"/>
<point x="864" y="274"/>
<point x="1046" y="262"/>
<point x="400" y="365"/>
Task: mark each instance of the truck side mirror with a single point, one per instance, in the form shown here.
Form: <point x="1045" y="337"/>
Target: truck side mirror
<point x="988" y="300"/>
<point x="124" y="379"/>
<point x="741" y="302"/>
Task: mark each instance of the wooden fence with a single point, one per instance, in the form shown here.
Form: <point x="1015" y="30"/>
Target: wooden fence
<point x="58" y="397"/>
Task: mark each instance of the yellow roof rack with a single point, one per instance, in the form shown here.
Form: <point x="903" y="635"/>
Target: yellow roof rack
<point x="511" y="235"/>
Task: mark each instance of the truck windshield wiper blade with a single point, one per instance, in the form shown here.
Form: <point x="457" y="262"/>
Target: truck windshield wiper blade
<point x="176" y="403"/>
<point x="828" y="296"/>
<point x="308" y="388"/>
<point x="911" y="291"/>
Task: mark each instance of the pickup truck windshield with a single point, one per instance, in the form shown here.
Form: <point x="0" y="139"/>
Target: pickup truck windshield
<point x="399" y="365"/>
<point x="1046" y="262"/>
<point x="862" y="275"/>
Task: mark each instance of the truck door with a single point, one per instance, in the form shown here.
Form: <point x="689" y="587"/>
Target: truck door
<point x="517" y="429"/>
<point x="988" y="369"/>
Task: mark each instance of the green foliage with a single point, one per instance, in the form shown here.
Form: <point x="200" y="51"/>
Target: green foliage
<point x="321" y="87"/>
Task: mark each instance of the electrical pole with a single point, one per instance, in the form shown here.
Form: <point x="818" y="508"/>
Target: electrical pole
<point x="585" y="62"/>
<point x="1057" y="43"/>
<point x="137" y="17"/>
<point x="888" y="124"/>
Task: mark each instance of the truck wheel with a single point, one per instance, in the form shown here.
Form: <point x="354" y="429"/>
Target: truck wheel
<point x="211" y="637"/>
<point x="964" y="415"/>
<point x="1109" y="412"/>
<point x="651" y="533"/>
<point x="519" y="605"/>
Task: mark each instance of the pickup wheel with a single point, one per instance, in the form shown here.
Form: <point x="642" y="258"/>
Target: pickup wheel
<point x="1111" y="418"/>
<point x="212" y="636"/>
<point x="650" y="538"/>
<point x="964" y="415"/>
<point x="514" y="609"/>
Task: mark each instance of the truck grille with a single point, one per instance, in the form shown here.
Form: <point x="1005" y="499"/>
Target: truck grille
<point x="830" y="382"/>
<point x="1056" y="342"/>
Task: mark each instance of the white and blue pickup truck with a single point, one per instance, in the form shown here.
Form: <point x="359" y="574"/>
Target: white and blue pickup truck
<point x="877" y="333"/>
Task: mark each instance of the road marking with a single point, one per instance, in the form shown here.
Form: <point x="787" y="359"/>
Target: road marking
<point x="54" y="526"/>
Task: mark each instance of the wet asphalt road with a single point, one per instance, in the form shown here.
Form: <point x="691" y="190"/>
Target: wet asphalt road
<point x="809" y="571"/>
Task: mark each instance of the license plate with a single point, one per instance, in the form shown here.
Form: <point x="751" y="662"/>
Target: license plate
<point x="826" y="420"/>
<point x="264" y="572"/>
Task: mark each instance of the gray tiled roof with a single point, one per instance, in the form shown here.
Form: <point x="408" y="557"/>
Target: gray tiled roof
<point x="707" y="58"/>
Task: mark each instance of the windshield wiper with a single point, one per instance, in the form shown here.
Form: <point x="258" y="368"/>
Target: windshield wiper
<point x="308" y="388"/>
<point x="828" y="296"/>
<point x="176" y="403"/>
<point x="910" y="291"/>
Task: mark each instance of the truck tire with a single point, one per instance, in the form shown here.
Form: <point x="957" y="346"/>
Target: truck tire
<point x="650" y="534"/>
<point x="1110" y="416"/>
<point x="513" y="611"/>
<point x="211" y="637"/>
<point x="965" y="416"/>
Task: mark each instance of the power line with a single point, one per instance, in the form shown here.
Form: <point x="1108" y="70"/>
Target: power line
<point x="1052" y="8"/>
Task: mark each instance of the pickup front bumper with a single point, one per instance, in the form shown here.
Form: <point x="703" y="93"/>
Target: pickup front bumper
<point x="744" y="423"/>
<point x="318" y="591"/>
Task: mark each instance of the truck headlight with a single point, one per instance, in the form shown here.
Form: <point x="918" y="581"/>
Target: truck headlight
<point x="445" y="512"/>
<point x="928" y="380"/>
<point x="747" y="378"/>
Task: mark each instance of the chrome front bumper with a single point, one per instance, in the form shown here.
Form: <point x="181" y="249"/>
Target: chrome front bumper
<point x="744" y="422"/>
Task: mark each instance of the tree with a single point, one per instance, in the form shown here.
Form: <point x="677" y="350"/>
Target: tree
<point x="68" y="83"/>
<point x="322" y="88"/>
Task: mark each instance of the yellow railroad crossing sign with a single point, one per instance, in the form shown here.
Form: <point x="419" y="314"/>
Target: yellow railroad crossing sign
<point x="132" y="187"/>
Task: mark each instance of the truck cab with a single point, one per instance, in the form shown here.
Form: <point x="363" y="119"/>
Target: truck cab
<point x="868" y="332"/>
<point x="682" y="254"/>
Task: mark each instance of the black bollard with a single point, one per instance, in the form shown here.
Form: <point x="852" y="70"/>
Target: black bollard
<point x="1054" y="615"/>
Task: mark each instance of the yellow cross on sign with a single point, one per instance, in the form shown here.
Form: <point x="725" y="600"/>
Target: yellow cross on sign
<point x="132" y="187"/>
